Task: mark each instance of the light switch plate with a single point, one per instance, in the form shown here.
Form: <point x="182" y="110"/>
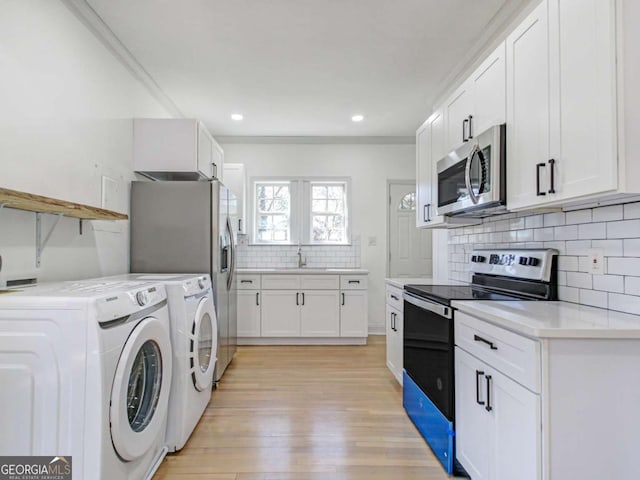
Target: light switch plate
<point x="373" y="241"/>
<point x="596" y="261"/>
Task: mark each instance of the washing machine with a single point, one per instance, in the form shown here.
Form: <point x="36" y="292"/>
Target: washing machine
<point x="85" y="370"/>
<point x="194" y="338"/>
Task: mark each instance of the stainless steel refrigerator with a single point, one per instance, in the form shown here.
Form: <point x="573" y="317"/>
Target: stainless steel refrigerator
<point x="187" y="227"/>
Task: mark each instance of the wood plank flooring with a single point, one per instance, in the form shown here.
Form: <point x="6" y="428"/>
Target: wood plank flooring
<point x="305" y="413"/>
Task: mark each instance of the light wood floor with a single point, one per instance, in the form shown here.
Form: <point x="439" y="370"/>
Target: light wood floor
<point x="305" y="413"/>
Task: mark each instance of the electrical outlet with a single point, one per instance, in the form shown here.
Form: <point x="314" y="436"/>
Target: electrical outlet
<point x="373" y="241"/>
<point x="596" y="261"/>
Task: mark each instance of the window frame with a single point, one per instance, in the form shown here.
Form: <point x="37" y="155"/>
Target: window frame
<point x="300" y="220"/>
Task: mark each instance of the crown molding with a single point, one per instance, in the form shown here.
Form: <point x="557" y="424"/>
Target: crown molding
<point x="327" y="140"/>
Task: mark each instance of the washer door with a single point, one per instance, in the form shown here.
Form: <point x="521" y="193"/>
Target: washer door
<point x="203" y="345"/>
<point x="140" y="392"/>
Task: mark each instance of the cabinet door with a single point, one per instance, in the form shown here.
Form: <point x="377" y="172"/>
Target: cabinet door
<point x="583" y="59"/>
<point x="474" y="425"/>
<point x="528" y="110"/>
<point x="354" y="309"/>
<point x="320" y="313"/>
<point x="217" y="160"/>
<point x="457" y="111"/>
<point x="390" y="339"/>
<point x="235" y="179"/>
<point x="398" y="345"/>
<point x="280" y="313"/>
<point x="489" y="92"/>
<point x="438" y="151"/>
<point x="424" y="177"/>
<point x="248" y="313"/>
<point x="205" y="152"/>
<point x="517" y="430"/>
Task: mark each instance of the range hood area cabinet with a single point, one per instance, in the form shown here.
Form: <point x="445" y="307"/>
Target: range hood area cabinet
<point x="566" y="84"/>
<point x="175" y="149"/>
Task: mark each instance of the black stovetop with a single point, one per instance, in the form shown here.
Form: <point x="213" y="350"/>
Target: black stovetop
<point x="445" y="294"/>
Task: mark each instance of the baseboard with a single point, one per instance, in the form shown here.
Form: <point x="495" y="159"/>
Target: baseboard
<point x="302" y="341"/>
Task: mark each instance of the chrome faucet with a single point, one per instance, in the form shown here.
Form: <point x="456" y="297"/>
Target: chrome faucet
<point x="301" y="262"/>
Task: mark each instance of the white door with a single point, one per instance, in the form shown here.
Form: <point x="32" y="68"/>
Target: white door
<point x="517" y="426"/>
<point x="248" y="313"/>
<point x="409" y="247"/>
<point x="280" y="313"/>
<point x="354" y="321"/>
<point x="203" y="348"/>
<point x="474" y="425"/>
<point x="528" y="135"/>
<point x="319" y="313"/>
<point x="140" y="392"/>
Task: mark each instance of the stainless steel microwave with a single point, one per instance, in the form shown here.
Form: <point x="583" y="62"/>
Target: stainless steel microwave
<point x="472" y="179"/>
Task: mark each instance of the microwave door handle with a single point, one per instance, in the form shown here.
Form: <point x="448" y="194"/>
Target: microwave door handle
<point x="467" y="174"/>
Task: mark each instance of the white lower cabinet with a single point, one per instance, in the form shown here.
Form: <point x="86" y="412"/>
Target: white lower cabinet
<point x="354" y="313"/>
<point x="280" y="312"/>
<point x="394" y="342"/>
<point x="498" y="424"/>
<point x="319" y="313"/>
<point x="249" y="313"/>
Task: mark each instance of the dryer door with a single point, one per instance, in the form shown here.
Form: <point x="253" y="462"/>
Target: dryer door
<point x="140" y="392"/>
<point x="203" y="345"/>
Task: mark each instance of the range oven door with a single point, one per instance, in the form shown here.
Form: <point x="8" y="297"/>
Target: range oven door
<point x="473" y="176"/>
<point x="428" y="350"/>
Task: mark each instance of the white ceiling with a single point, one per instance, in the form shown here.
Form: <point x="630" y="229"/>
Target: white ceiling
<point x="303" y="67"/>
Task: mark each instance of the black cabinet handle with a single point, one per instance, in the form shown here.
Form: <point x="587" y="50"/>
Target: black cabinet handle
<point x="297" y="298"/>
<point x="258" y="298"/>
<point x="470" y="127"/>
<point x="538" y="192"/>
<point x="478" y="375"/>
<point x="302" y="298"/>
<point x="552" y="165"/>
<point x="246" y="281"/>
<point x="488" y="408"/>
<point x="478" y="338"/>
<point x="393" y="322"/>
<point x="343" y="299"/>
<point x="394" y="297"/>
<point x="464" y="130"/>
<point x="354" y="281"/>
<point x="424" y="213"/>
<point x="239" y="225"/>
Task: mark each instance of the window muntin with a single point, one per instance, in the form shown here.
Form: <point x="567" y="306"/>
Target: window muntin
<point x="273" y="212"/>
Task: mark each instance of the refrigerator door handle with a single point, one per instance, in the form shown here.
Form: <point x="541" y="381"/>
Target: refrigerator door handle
<point x="232" y="254"/>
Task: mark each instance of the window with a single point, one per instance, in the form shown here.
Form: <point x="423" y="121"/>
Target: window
<point x="307" y="210"/>
<point x="408" y="202"/>
<point x="273" y="212"/>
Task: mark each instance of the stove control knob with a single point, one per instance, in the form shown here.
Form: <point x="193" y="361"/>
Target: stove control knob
<point x="494" y="259"/>
<point x="481" y="259"/>
<point x="523" y="260"/>
<point x="474" y="259"/>
<point x="142" y="298"/>
<point x="533" y="261"/>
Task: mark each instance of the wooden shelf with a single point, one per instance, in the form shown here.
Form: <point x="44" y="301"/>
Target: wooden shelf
<point x="40" y="204"/>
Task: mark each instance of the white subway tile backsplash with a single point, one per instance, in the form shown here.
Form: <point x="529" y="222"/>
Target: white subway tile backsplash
<point x="592" y="231"/>
<point x="632" y="248"/>
<point x="612" y="248"/>
<point x="632" y="286"/>
<point x="569" y="232"/>
<point x="579" y="280"/>
<point x="554" y="219"/>
<point x="594" y="298"/>
<point x="609" y="283"/>
<point x="578" y="247"/>
<point x="624" y="303"/>
<point x="534" y="221"/>
<point x="543" y="234"/>
<point x="578" y="216"/>
<point x="623" y="266"/>
<point x="524" y="235"/>
<point x="624" y="229"/>
<point x="569" y="294"/>
<point x="607" y="214"/>
<point x="632" y="210"/>
<point x="568" y="264"/>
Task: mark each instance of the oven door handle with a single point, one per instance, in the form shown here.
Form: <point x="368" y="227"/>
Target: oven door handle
<point x="441" y="310"/>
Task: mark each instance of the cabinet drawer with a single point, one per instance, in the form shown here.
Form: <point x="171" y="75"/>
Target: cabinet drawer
<point x="280" y="282"/>
<point x="353" y="282"/>
<point x="394" y="298"/>
<point x="248" y="282"/>
<point x="319" y="282"/>
<point x="514" y="355"/>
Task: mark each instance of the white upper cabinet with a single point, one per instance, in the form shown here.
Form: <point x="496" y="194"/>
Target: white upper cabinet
<point x="457" y="109"/>
<point x="561" y="104"/>
<point x="528" y="141"/>
<point x="488" y="86"/>
<point x="175" y="149"/>
<point x="424" y="183"/>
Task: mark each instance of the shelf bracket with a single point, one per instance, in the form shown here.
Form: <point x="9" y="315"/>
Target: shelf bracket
<point x="40" y="243"/>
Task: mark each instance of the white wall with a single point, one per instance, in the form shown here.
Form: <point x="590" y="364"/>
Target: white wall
<point x="369" y="166"/>
<point x="65" y="121"/>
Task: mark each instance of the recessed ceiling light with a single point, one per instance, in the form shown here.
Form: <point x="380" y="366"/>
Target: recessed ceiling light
<point x="357" y="118"/>
<point x="236" y="116"/>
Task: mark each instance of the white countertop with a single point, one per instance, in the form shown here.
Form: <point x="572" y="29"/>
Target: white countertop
<point x="305" y="271"/>
<point x="541" y="319"/>
<point x="400" y="282"/>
